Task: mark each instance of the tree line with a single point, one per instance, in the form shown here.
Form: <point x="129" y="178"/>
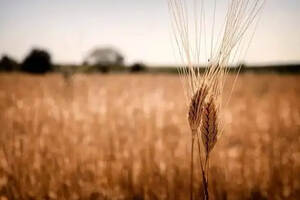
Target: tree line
<point x="39" y="61"/>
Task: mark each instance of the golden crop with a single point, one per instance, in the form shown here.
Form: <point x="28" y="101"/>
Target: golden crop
<point x="127" y="137"/>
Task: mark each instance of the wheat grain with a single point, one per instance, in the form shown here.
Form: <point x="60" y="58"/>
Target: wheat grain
<point x="209" y="126"/>
<point x="196" y="107"/>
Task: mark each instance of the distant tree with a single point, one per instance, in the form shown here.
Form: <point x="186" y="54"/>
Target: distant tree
<point x="137" y="67"/>
<point x="105" y="58"/>
<point x="85" y="63"/>
<point x="38" y="61"/>
<point x="8" y="64"/>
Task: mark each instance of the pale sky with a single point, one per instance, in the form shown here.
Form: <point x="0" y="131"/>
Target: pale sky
<point x="140" y="29"/>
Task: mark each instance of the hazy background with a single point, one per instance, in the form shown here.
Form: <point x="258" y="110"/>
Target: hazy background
<point x="80" y="120"/>
<point x="140" y="29"/>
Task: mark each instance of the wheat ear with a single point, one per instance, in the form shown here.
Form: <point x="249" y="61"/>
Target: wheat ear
<point x="209" y="126"/>
<point x="196" y="107"/>
<point x="203" y="111"/>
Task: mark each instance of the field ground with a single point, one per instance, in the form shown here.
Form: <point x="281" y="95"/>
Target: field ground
<point x="127" y="137"/>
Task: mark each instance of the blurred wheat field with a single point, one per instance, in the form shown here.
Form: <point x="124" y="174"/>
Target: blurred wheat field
<point x="127" y="137"/>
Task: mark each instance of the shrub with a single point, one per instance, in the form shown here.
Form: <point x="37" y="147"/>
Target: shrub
<point x="8" y="64"/>
<point x="137" y="67"/>
<point x="38" y="61"/>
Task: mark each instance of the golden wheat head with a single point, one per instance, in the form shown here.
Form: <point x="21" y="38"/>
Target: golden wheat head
<point x="196" y="107"/>
<point x="209" y="125"/>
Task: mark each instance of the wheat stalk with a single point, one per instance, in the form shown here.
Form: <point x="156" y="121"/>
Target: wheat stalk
<point x="204" y="91"/>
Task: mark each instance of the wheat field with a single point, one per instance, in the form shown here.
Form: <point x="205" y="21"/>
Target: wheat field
<point x="122" y="136"/>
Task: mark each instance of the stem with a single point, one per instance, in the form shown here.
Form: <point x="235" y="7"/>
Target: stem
<point x="203" y="170"/>
<point x="205" y="178"/>
<point x="192" y="166"/>
<point x="205" y="186"/>
<point x="199" y="152"/>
